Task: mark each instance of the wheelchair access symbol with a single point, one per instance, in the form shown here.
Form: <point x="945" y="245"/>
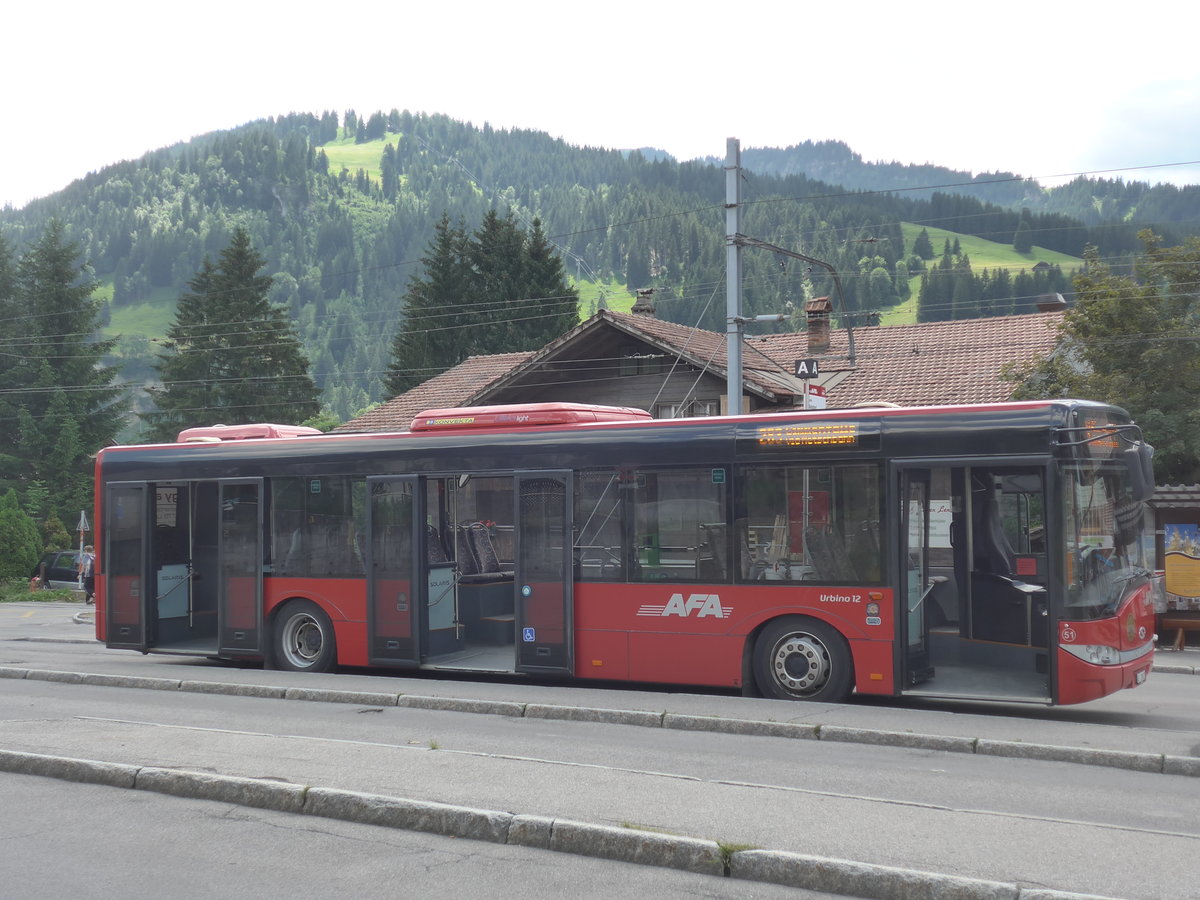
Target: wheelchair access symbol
<point x="528" y="635"/>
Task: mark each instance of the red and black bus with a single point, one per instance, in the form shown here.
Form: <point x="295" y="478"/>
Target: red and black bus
<point x="988" y="552"/>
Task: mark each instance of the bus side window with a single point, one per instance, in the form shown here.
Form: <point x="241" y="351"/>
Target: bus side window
<point x="315" y="526"/>
<point x="287" y="543"/>
<point x="679" y="521"/>
<point x="599" y="542"/>
<point x="810" y="523"/>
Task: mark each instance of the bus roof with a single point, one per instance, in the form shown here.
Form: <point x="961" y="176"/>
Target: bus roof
<point x="522" y="415"/>
<point x="210" y="433"/>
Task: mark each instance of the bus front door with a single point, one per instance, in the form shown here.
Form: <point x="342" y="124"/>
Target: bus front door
<point x="973" y="583"/>
<point x="916" y="581"/>
<point x="393" y="597"/>
<point x="544" y="572"/>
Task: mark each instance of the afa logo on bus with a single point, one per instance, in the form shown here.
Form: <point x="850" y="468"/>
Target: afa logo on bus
<point x="702" y="605"/>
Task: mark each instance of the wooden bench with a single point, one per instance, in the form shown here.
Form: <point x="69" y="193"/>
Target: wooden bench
<point x="1182" y="623"/>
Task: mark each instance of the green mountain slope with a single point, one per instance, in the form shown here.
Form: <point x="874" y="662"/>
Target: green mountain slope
<point x="345" y="221"/>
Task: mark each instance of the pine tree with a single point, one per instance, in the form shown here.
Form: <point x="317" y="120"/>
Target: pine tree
<point x="233" y="357"/>
<point x="637" y="266"/>
<point x="922" y="246"/>
<point x="497" y="260"/>
<point x="14" y="361"/>
<point x="428" y="339"/>
<point x="1023" y="238"/>
<point x="59" y="402"/>
<point x="495" y="292"/>
<point x="188" y="369"/>
<point x="557" y="301"/>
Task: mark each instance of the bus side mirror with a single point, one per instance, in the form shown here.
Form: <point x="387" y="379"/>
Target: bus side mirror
<point x="1139" y="460"/>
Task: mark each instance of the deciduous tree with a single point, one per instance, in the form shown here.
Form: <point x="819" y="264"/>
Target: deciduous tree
<point x="20" y="544"/>
<point x="1132" y="341"/>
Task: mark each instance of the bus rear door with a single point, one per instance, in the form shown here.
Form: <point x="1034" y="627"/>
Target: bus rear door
<point x="123" y="565"/>
<point x="182" y="564"/>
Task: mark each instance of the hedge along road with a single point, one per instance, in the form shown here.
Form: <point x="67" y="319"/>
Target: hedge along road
<point x="708" y="777"/>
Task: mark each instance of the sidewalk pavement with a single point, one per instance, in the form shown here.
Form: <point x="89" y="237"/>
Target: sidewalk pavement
<point x="1115" y="746"/>
<point x="931" y="727"/>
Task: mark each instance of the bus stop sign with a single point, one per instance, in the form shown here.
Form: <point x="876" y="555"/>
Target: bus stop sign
<point x="807" y="368"/>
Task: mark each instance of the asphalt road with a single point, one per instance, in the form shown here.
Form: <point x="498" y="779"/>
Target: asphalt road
<point x="1062" y="799"/>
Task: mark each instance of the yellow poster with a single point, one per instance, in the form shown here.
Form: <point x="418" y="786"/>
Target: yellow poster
<point x="1181" y="563"/>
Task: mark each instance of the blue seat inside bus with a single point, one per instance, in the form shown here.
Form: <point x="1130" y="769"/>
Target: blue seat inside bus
<point x="485" y="589"/>
<point x="478" y="561"/>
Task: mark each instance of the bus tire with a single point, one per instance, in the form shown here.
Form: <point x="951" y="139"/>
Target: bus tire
<point x="797" y="658"/>
<point x="303" y="639"/>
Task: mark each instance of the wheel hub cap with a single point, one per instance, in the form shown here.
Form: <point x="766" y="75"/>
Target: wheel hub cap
<point x="801" y="663"/>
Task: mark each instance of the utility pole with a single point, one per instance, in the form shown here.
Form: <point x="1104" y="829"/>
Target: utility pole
<point x="734" y="242"/>
<point x="733" y="275"/>
<point x="744" y="241"/>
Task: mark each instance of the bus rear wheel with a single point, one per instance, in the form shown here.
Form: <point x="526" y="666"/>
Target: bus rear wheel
<point x="303" y="638"/>
<point x="802" y="659"/>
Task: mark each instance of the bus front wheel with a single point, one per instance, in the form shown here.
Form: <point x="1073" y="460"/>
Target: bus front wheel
<point x="802" y="659"/>
<point x="304" y="639"/>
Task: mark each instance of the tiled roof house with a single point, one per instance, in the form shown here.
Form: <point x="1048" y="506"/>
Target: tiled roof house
<point x="447" y="389"/>
<point x="933" y="363"/>
<point x="623" y="359"/>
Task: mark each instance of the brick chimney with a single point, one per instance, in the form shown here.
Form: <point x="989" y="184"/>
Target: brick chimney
<point x="644" y="306"/>
<point x="816" y="312"/>
<point x="1051" y="303"/>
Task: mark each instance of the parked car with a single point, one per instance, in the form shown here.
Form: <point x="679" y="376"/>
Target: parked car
<point x="59" y="569"/>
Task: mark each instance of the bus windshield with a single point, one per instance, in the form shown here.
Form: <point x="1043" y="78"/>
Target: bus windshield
<point x="1105" y="556"/>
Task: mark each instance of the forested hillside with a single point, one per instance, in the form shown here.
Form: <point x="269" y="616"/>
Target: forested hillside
<point x="343" y="208"/>
<point x="1092" y="201"/>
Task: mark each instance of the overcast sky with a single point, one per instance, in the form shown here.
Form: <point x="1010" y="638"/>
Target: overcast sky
<point x="1040" y="89"/>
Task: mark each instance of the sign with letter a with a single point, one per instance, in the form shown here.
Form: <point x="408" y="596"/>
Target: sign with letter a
<point x="807" y="368"/>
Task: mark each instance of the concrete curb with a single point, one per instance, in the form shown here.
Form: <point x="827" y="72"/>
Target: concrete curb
<point x="1175" y="669"/>
<point x="706" y="857"/>
<point x="1158" y="763"/>
<point x="845" y="878"/>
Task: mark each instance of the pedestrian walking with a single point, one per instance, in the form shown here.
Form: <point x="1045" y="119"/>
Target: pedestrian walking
<point x="88" y="572"/>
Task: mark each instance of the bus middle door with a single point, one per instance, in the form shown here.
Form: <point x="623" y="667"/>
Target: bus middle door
<point x="394" y="593"/>
<point x="544" y="572"/>
<point x="240" y="555"/>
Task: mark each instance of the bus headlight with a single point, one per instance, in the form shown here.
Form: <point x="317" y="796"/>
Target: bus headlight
<point x="1096" y="654"/>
